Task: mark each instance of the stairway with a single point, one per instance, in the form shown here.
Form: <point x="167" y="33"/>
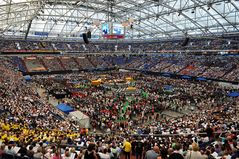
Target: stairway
<point x="79" y="66"/>
<point x="43" y="63"/>
<point x="234" y="67"/>
<point x="22" y="65"/>
<point x="182" y="69"/>
<point x="61" y="64"/>
<point x="91" y="62"/>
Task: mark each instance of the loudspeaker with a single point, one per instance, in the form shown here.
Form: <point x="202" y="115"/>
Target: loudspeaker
<point x="131" y="26"/>
<point x="89" y="35"/>
<point x="185" y="42"/>
<point x="85" y="38"/>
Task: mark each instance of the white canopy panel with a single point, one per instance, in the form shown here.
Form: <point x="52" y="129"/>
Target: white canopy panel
<point x="149" y="18"/>
<point x="82" y="119"/>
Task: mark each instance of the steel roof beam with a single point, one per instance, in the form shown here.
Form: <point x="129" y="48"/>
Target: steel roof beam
<point x="209" y="14"/>
<point x="224" y="17"/>
<point x="182" y="9"/>
<point x="18" y="3"/>
<point x="152" y="24"/>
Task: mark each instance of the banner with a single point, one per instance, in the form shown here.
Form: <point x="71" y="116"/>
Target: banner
<point x="144" y="94"/>
<point x="126" y="105"/>
<point x="41" y="33"/>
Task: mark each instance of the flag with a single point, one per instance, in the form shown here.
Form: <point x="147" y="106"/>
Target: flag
<point x="125" y="107"/>
<point x="144" y="94"/>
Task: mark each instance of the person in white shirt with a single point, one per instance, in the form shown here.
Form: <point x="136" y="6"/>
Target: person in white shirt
<point x="9" y="150"/>
<point x="105" y="154"/>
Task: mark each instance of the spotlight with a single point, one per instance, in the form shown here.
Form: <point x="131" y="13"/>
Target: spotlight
<point x="179" y="12"/>
<point x="209" y="5"/>
<point x="193" y="10"/>
<point x="157" y="17"/>
<point x="131" y="26"/>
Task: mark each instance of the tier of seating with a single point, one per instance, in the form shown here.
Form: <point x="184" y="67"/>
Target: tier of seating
<point x="53" y="63"/>
<point x="33" y="128"/>
<point x="69" y="63"/>
<point x="215" y="66"/>
<point x="34" y="64"/>
<point x="227" y="43"/>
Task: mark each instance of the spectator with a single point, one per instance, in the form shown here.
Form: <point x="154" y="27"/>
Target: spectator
<point x="176" y="153"/>
<point x="90" y="152"/>
<point x="194" y="153"/>
<point x="152" y="154"/>
<point x="30" y="152"/>
<point x="2" y="150"/>
<point x="127" y="149"/>
<point x="139" y="148"/>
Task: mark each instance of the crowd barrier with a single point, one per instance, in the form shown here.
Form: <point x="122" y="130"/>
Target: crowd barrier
<point x="178" y="76"/>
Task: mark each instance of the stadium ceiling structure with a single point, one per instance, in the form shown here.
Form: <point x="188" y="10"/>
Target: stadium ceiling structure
<point x="147" y="18"/>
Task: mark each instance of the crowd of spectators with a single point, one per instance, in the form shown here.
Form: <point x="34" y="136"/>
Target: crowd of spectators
<point x="61" y="63"/>
<point x="34" y="64"/>
<point x="69" y="63"/>
<point x="213" y="66"/>
<point x="22" y="103"/>
<point x="212" y="110"/>
<point x="131" y="120"/>
<point x="84" y="63"/>
<point x="227" y="43"/>
<point x="53" y="63"/>
<point x="184" y="96"/>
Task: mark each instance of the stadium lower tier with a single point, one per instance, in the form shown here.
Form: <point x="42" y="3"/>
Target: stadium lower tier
<point x="113" y="114"/>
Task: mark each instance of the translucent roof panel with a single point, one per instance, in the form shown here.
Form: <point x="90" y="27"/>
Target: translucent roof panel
<point x="144" y="18"/>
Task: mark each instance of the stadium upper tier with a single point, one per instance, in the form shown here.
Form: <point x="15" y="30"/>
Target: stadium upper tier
<point x="228" y="43"/>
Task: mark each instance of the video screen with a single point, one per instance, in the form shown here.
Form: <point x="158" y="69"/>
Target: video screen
<point x="105" y="29"/>
<point x="118" y="29"/>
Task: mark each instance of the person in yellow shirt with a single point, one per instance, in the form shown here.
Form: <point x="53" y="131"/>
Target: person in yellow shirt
<point x="5" y="126"/>
<point x="127" y="149"/>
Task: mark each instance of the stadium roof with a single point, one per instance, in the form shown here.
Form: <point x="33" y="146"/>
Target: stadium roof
<point x="148" y="18"/>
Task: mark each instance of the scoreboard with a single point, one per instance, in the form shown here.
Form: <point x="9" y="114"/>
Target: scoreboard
<point x="111" y="30"/>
